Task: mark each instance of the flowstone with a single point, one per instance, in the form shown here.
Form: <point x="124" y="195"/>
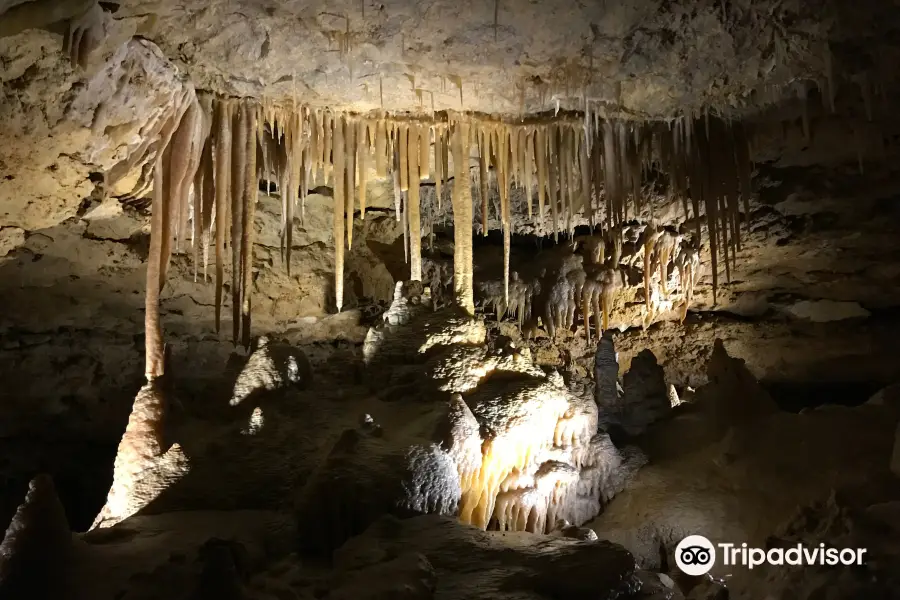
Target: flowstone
<point x="477" y="431"/>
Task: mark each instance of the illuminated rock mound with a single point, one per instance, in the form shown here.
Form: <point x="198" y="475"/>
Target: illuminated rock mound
<point x="145" y="465"/>
<point x="475" y="430"/>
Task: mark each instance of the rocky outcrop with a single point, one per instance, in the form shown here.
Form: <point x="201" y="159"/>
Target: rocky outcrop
<point x="645" y="399"/>
<point x="497" y="439"/>
<point x="730" y="466"/>
<point x="271" y="366"/>
<point x="861" y="518"/>
<point x="36" y="550"/>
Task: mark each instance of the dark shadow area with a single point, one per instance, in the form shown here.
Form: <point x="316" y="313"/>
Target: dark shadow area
<point x="81" y="470"/>
<point x="796" y="396"/>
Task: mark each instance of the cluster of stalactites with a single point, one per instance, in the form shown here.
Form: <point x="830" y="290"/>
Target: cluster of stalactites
<point x="212" y="153"/>
<point x="205" y="183"/>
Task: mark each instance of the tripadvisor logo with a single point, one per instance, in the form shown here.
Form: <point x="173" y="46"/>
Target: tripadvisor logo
<point x="696" y="555"/>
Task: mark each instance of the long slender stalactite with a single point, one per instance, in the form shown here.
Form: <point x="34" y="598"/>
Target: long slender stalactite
<point x="247" y="230"/>
<point x="463" y="284"/>
<point x="339" y="190"/>
<point x="413" y="213"/>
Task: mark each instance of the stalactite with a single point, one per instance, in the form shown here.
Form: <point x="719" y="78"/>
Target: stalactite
<point x="362" y="160"/>
<point x="483" y="158"/>
<point x="742" y="156"/>
<point x="540" y="148"/>
<point x="585" y="190"/>
<point x="439" y="173"/>
<point x="571" y="161"/>
<point x="395" y="177"/>
<point x="251" y="186"/>
<point x="381" y="153"/>
<point x="238" y="173"/>
<point x="415" y="135"/>
<point x="404" y="223"/>
<point x="610" y="175"/>
<point x="154" y="350"/>
<point x="424" y="153"/>
<point x="553" y="178"/>
<point x="223" y="179"/>
<point x="296" y="181"/>
<point x="339" y="190"/>
<point x="403" y="142"/>
<point x="445" y="155"/>
<point x="178" y="168"/>
<point x="462" y="219"/>
<point x="651" y="235"/>
<point x="503" y="176"/>
<point x="328" y="152"/>
<point x="350" y="147"/>
<point x="612" y="283"/>
<point x="578" y="168"/>
<point x="207" y="206"/>
<point x="528" y="168"/>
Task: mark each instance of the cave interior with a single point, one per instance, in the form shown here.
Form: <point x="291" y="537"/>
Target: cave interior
<point x="433" y="299"/>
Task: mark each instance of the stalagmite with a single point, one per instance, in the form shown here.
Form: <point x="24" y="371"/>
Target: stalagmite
<point x="415" y="134"/>
<point x="462" y="219"/>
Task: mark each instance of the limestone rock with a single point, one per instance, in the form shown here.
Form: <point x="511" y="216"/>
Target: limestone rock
<point x="737" y="472"/>
<point x="145" y="465"/>
<point x="606" y="373"/>
<point x="844" y="519"/>
<point x="37" y="546"/>
<point x="470" y="563"/>
<point x="489" y="437"/>
<point x="645" y="395"/>
<point x="271" y="366"/>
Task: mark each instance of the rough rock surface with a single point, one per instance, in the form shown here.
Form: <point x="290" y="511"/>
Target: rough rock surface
<point x="37" y="546"/>
<point x="641" y="57"/>
<point x="730" y="466"/>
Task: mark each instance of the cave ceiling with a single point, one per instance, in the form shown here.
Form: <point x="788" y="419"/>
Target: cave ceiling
<point x="641" y="58"/>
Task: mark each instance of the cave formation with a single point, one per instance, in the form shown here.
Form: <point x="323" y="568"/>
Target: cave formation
<point x="520" y="296"/>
